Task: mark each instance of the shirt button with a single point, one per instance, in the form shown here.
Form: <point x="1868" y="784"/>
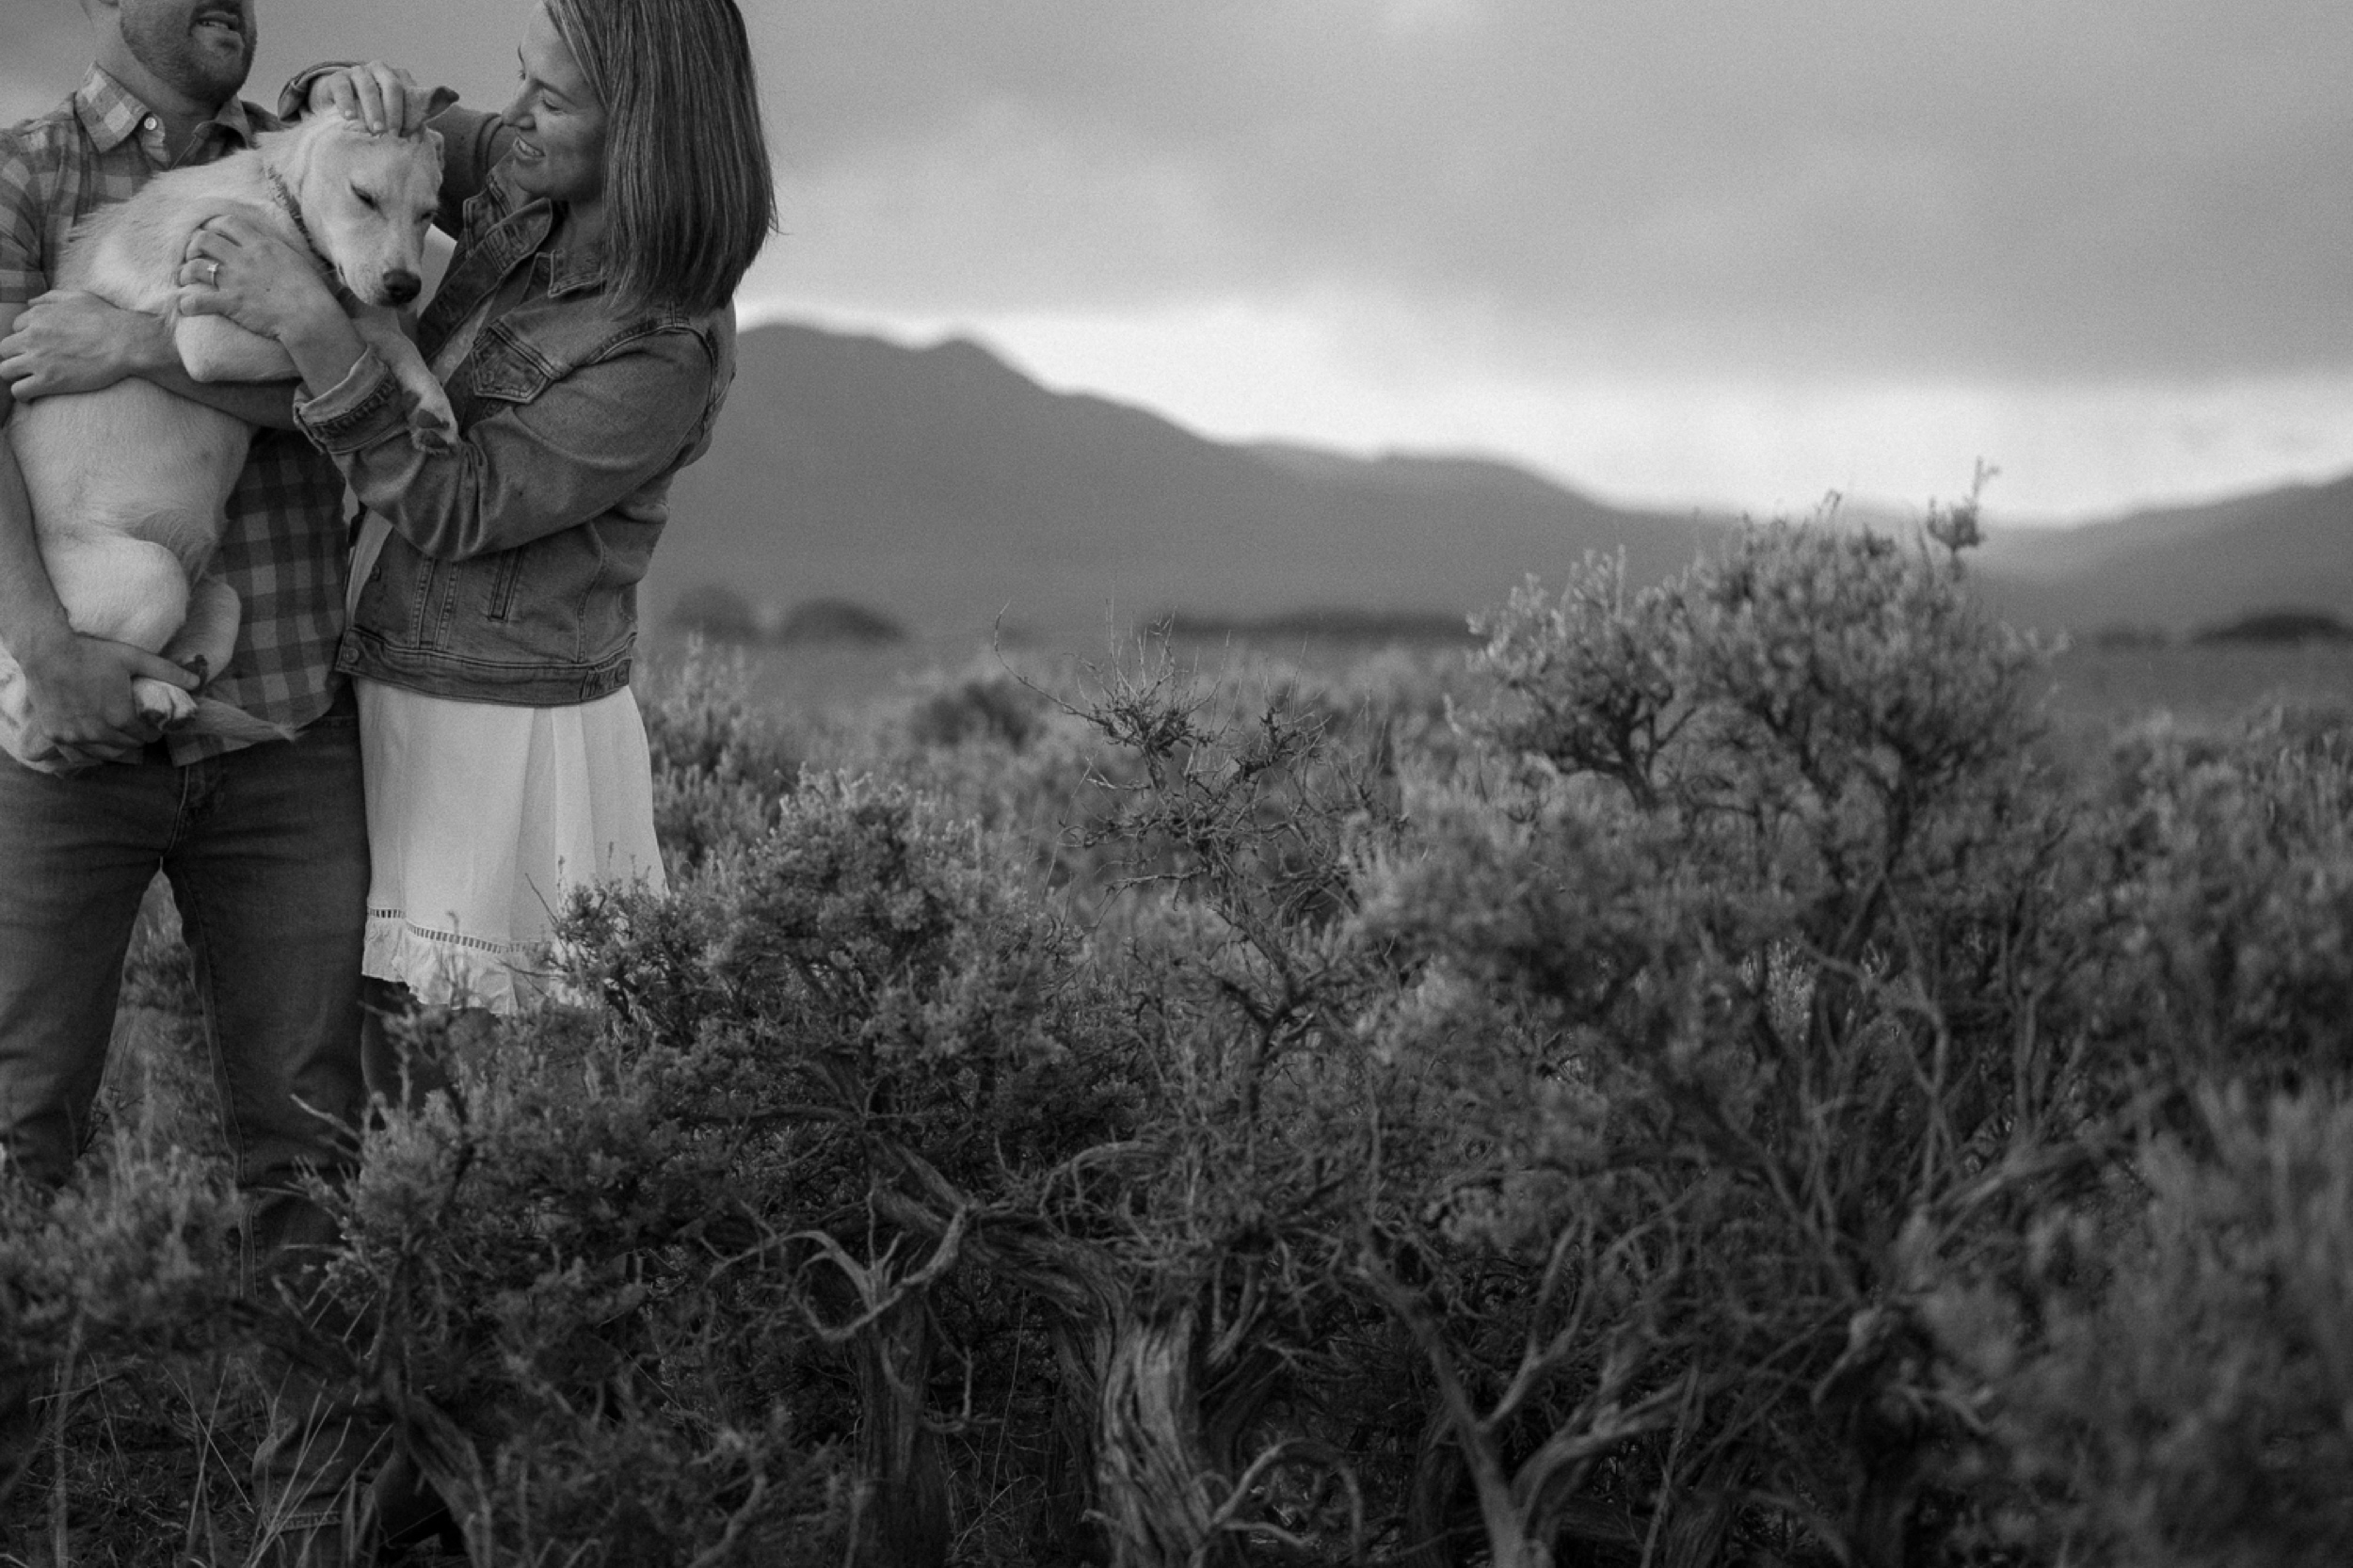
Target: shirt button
<point x="148" y="123"/>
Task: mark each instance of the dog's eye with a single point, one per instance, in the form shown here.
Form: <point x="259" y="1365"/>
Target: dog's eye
<point x="365" y="200"/>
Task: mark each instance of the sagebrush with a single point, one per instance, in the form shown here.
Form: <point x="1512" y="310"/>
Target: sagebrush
<point x="1702" y="1080"/>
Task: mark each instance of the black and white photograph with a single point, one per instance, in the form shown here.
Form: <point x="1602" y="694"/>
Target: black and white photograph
<point x="1229" y="784"/>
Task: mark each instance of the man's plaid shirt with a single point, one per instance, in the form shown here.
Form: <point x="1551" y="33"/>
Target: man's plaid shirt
<point x="283" y="548"/>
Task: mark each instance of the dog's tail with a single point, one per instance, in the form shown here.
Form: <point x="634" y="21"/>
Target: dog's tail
<point x="230" y="722"/>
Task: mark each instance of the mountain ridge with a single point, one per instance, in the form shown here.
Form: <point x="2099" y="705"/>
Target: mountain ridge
<point x="945" y="487"/>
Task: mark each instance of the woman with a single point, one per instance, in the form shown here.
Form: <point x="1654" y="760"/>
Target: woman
<point x="584" y="336"/>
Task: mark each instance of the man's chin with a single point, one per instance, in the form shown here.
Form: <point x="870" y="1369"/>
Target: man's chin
<point x="215" y="78"/>
<point x="224" y="70"/>
<point x="203" y="71"/>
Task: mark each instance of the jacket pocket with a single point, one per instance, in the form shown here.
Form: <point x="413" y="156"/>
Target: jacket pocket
<point x="504" y="368"/>
<point x="507" y="573"/>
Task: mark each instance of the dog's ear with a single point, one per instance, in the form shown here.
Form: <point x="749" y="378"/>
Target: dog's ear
<point x="440" y="99"/>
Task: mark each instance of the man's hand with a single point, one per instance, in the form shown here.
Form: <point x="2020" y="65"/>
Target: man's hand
<point x="383" y="97"/>
<point x="74" y="342"/>
<point x="81" y="705"/>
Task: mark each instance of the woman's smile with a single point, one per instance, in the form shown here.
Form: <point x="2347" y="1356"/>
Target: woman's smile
<point x="559" y="150"/>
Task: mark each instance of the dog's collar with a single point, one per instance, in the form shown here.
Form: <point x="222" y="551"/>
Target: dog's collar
<point x="286" y="199"/>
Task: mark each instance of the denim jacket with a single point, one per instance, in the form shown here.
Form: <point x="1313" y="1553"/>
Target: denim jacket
<point x="512" y="569"/>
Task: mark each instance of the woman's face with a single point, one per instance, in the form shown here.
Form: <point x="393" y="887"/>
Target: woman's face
<point x="559" y="146"/>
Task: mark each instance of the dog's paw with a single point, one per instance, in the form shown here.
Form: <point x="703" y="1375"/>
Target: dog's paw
<point x="433" y="425"/>
<point x="164" y="704"/>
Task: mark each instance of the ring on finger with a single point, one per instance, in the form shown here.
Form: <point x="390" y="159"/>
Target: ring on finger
<point x="212" y="278"/>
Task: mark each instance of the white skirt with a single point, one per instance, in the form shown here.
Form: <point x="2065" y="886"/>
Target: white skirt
<point x="482" y="820"/>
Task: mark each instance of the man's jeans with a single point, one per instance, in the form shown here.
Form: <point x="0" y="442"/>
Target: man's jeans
<point x="266" y="853"/>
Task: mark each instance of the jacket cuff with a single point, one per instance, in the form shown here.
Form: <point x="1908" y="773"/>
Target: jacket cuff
<point x="293" y="99"/>
<point x="361" y="408"/>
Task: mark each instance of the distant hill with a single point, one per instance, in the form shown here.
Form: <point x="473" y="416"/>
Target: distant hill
<point x="947" y="490"/>
<point x="2176" y="568"/>
<point x="944" y="486"/>
<point x="2276" y="627"/>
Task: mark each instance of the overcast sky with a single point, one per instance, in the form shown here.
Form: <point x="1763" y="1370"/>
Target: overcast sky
<point x="1723" y="251"/>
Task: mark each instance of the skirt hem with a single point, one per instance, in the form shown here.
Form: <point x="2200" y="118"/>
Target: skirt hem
<point x="443" y="968"/>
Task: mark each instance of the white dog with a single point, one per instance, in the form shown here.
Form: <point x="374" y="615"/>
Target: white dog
<point x="128" y="483"/>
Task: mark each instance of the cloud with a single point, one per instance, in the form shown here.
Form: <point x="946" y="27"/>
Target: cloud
<point x="1879" y="211"/>
<point x="1837" y="188"/>
<point x="2127" y="188"/>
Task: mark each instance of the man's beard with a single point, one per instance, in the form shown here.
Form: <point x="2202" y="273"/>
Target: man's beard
<point x="169" y="49"/>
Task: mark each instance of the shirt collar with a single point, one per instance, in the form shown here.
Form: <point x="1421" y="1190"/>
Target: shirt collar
<point x="112" y="115"/>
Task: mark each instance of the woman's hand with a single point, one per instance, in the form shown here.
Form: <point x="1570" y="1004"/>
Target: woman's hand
<point x="234" y="267"/>
<point x="242" y="272"/>
<point x="383" y="97"/>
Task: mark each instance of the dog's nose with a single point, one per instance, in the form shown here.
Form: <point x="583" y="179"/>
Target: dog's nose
<point x="401" y="287"/>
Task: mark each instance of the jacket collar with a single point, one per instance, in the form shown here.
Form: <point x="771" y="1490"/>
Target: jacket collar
<point x="504" y="232"/>
<point x="112" y="115"/>
<point x="575" y="269"/>
<point x="531" y="225"/>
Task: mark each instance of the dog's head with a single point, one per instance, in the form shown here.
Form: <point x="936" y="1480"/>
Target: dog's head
<point x="367" y="202"/>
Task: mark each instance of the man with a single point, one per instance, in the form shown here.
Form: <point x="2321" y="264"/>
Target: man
<point x="265" y="846"/>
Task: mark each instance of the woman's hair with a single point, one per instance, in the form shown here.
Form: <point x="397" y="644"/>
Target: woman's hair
<point x="688" y="195"/>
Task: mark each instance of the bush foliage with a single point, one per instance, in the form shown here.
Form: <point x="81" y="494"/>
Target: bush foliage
<point x="1700" y="1081"/>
